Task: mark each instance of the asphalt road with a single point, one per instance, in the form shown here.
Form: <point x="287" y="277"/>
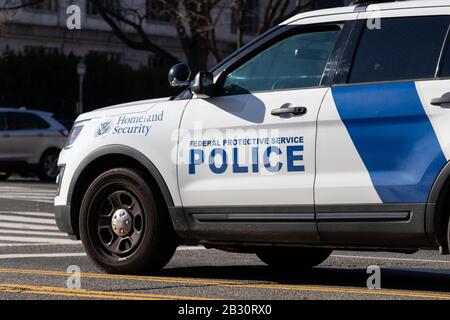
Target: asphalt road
<point x="35" y="259"/>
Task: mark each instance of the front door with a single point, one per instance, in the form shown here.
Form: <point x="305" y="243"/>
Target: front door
<point x="249" y="153"/>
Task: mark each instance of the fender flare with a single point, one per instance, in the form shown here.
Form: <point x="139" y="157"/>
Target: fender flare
<point x="124" y="151"/>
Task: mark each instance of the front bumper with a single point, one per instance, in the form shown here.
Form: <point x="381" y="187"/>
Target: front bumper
<point x="64" y="220"/>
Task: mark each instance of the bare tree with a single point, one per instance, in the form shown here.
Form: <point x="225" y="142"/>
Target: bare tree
<point x="196" y="23"/>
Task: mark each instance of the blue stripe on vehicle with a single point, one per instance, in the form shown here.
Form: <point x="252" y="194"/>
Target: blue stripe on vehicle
<point x="394" y="137"/>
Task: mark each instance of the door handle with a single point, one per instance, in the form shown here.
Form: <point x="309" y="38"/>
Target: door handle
<point x="443" y="101"/>
<point x="294" y="111"/>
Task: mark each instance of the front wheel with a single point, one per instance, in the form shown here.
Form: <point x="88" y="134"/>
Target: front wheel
<point x="122" y="226"/>
<point x="293" y="258"/>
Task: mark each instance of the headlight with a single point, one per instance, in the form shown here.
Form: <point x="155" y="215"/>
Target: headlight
<point x="74" y="133"/>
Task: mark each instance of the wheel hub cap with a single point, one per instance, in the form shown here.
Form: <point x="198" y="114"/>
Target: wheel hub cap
<point x="122" y="223"/>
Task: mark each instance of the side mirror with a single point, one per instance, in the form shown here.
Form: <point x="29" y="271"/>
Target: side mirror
<point x="203" y="86"/>
<point x="180" y="75"/>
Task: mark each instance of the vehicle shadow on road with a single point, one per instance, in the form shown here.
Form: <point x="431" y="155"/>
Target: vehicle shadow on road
<point x="404" y="279"/>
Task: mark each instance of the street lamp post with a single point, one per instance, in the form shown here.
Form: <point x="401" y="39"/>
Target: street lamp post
<point x="81" y="70"/>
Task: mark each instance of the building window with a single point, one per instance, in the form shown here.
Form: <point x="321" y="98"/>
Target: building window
<point x="41" y="50"/>
<point x="158" y="10"/>
<point x="250" y="18"/>
<point x="110" y="56"/>
<point x="155" y="62"/>
<point x="92" y="10"/>
<point x="45" y="5"/>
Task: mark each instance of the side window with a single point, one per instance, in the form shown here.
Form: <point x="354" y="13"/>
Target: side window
<point x="403" y="49"/>
<point x="445" y="71"/>
<point x="2" y="122"/>
<point x="295" y="62"/>
<point x="25" y="121"/>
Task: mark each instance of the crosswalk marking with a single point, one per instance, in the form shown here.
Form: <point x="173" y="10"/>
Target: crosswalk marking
<point x="43" y="195"/>
<point x="30" y="214"/>
<point x="27" y="226"/>
<point x="35" y="240"/>
<point x="34" y="233"/>
<point x="30" y="228"/>
<point x="28" y="220"/>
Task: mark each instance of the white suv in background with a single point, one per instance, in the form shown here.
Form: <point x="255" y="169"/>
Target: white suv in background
<point x="30" y="141"/>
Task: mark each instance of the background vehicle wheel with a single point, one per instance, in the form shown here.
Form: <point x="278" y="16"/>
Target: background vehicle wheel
<point x="48" y="166"/>
<point x="123" y="229"/>
<point x="4" y="176"/>
<point x="293" y="258"/>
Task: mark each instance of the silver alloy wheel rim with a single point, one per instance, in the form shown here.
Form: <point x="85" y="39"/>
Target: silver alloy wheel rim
<point x="51" y="166"/>
<point x="115" y="210"/>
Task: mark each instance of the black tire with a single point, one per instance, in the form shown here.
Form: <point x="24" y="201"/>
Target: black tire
<point x="4" y="176"/>
<point x="287" y="258"/>
<point x="151" y="242"/>
<point x="48" y="166"/>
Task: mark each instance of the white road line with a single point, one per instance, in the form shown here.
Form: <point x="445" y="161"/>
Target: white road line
<point x="20" y="191"/>
<point x="42" y="255"/>
<point x="389" y="259"/>
<point x="28" y="220"/>
<point x="8" y="188"/>
<point x="28" y="191"/>
<point x="48" y="201"/>
<point x="31" y="214"/>
<point x="13" y="245"/>
<point x="35" y="233"/>
<point x="24" y="196"/>
<point x="31" y="194"/>
<point x="35" y="240"/>
<point x="189" y="248"/>
<point x="27" y="226"/>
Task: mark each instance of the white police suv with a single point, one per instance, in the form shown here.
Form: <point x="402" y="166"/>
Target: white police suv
<point x="331" y="131"/>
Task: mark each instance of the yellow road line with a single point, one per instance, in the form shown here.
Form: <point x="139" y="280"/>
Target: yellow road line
<point x="241" y="285"/>
<point x="123" y="277"/>
<point x="59" y="291"/>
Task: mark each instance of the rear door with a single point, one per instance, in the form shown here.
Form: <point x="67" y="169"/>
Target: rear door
<point x="379" y="148"/>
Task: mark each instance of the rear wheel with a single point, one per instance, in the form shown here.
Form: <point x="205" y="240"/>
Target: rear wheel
<point x="48" y="166"/>
<point x="122" y="226"/>
<point x="293" y="258"/>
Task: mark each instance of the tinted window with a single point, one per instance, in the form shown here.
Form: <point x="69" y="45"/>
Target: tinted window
<point x="446" y="64"/>
<point x="25" y="121"/>
<point x="295" y="62"/>
<point x="2" y="122"/>
<point x="403" y="49"/>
